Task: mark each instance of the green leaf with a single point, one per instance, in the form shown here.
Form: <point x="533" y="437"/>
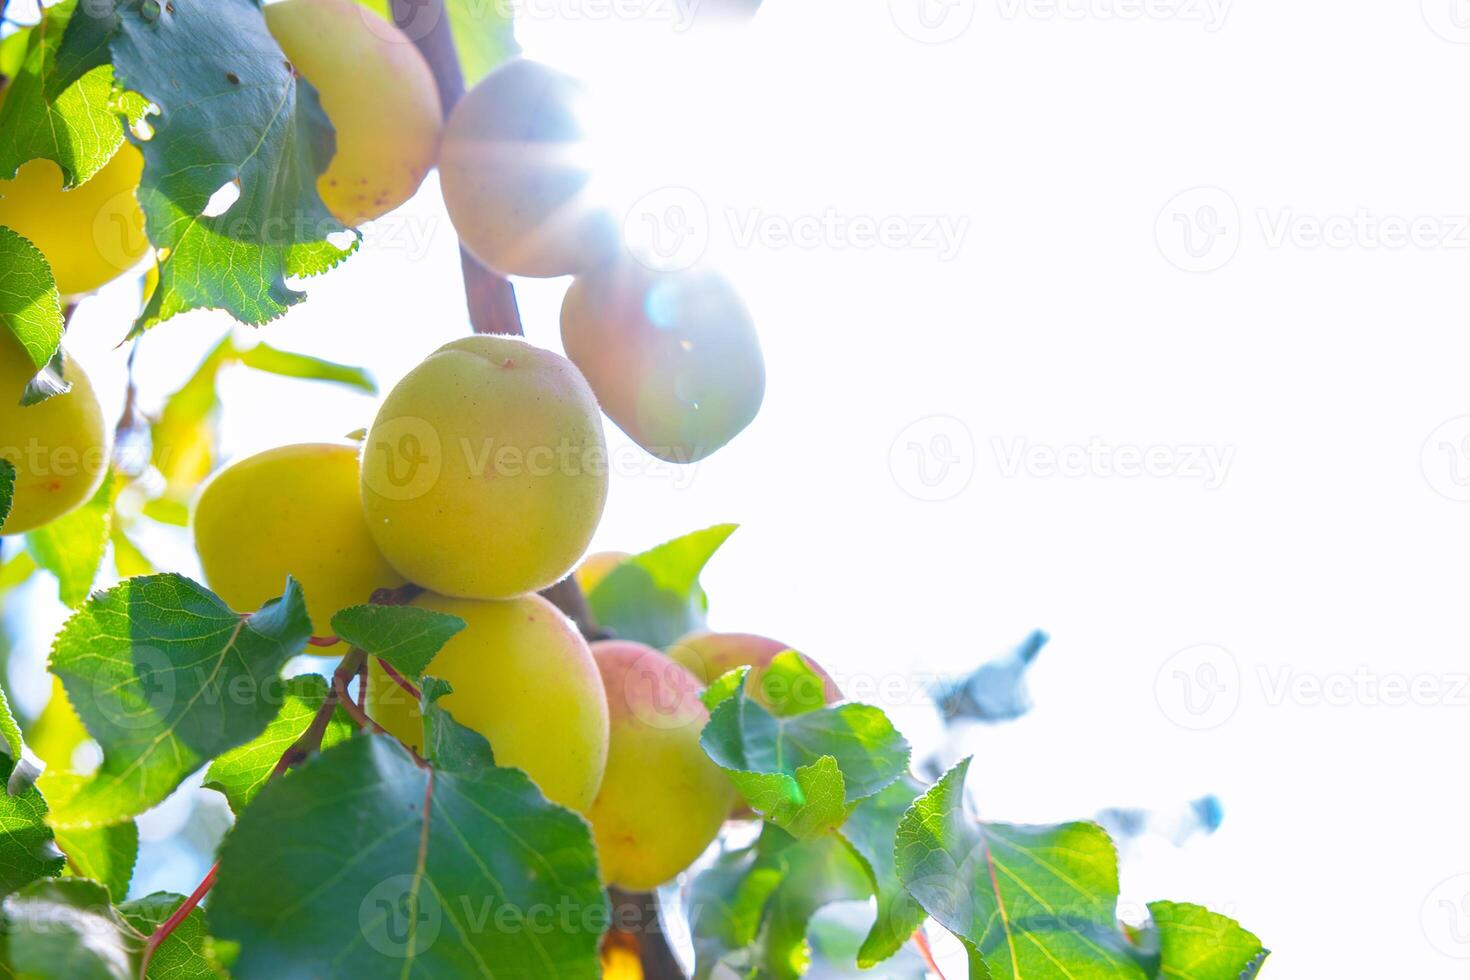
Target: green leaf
<point x="68" y="928"/>
<point x="188" y="952"/>
<point x="287" y="364"/>
<point x="1033" y="901"/>
<point x="871" y="831"/>
<point x="448" y="744"/>
<point x="231" y="109"/>
<point x="29" y="303"/>
<point x="723" y="688"/>
<point x="10" y="729"/>
<point x="1197" y="944"/>
<point x="61" y="105"/>
<point x="106" y="855"/>
<point x="804" y="772"/>
<point x="127" y="556"/>
<point x="72" y="546"/>
<point x="27" y="845"/>
<point x="751" y="911"/>
<point x="390" y="869"/>
<point x="240" y="773"/>
<point x="407" y="637"/>
<point x="654" y="597"/>
<point x="7" y="489"/>
<point x="165" y="676"/>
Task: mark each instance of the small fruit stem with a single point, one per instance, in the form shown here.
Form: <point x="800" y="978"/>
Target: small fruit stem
<point x="172" y="922"/>
<point x="400" y="680"/>
<point x="491" y="299"/>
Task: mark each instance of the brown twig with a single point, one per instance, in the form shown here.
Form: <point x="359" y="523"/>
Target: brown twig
<point x="400" y="680"/>
<point x="491" y="299"/>
<point x="567" y="596"/>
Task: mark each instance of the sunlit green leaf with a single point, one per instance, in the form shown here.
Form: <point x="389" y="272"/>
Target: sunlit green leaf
<point x="30" y="307"/>
<point x="188" y="953"/>
<point x="105" y="854"/>
<point x="287" y="364"/>
<point x="72" y="546"/>
<point x="871" y="831"/>
<point x="1197" y="944"/>
<point x="654" y="597"/>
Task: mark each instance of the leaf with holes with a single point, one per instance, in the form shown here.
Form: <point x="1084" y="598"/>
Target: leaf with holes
<point x="393" y="869"/>
<point x="30" y="306"/>
<point x="1031" y="901"/>
<point x="406" y="637"/>
<point x="240" y="773"/>
<point x="165" y="677"/>
<point x="804" y="772"/>
<point x="655" y="597"/>
<point x="231" y="110"/>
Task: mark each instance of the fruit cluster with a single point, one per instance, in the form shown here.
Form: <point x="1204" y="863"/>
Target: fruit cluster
<point x="484" y="475"/>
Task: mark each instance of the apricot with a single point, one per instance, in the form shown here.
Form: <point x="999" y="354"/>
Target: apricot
<point x="290" y="511"/>
<point x="485" y="473"/>
<point x="379" y="94"/>
<point x="59" y="447"/>
<point x="662" y="801"/>
<point x="596" y="566"/>
<point x="514" y="176"/>
<point x="709" y="656"/>
<point x="673" y="357"/>
<point x="90" y="234"/>
<point x="524" y="678"/>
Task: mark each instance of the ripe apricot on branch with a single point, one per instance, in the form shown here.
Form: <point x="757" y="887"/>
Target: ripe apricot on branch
<point x="709" y="656"/>
<point x="90" y="234"/>
<point x="485" y="473"/>
<point x="513" y="183"/>
<point x="377" y="91"/>
<point x="662" y="801"/>
<point x="58" y="448"/>
<point x="674" y="358"/>
<point x="290" y="511"/>
<point x="523" y="678"/>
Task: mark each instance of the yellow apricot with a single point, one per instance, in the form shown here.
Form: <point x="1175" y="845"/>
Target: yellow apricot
<point x="59" y="447"/>
<point x="523" y="678"/>
<point x="485" y="473"/>
<point x="293" y="511"/>
<point x="377" y="91"/>
<point x="662" y="801"/>
<point x="90" y="234"/>
<point x="709" y="656"/>
<point x="673" y="357"/>
<point x="596" y="566"/>
<point x="514" y="180"/>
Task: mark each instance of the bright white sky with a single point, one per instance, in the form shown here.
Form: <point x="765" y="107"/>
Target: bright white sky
<point x="1293" y="387"/>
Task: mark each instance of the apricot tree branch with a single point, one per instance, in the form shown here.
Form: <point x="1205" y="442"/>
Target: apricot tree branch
<point x="490" y="298"/>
